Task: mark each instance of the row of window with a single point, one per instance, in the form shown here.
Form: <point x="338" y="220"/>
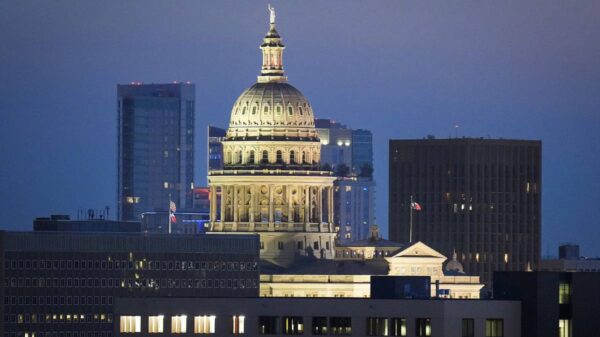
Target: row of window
<point x="131" y="265"/>
<point x="60" y="334"/>
<point x="299" y="245"/>
<point x="128" y="283"/>
<point x="238" y="157"/>
<point x="42" y="318"/>
<point x="266" y="110"/>
<point x="58" y="300"/>
<point x="294" y="325"/>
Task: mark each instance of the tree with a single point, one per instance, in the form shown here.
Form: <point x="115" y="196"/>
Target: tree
<point x="366" y="171"/>
<point x="342" y="170"/>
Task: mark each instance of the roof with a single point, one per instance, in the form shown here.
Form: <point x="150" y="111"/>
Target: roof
<point x="329" y="267"/>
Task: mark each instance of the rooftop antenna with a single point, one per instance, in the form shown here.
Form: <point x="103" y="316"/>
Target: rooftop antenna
<point x="456" y="126"/>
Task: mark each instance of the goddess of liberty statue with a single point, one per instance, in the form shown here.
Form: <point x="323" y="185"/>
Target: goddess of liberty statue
<point x="272" y="11"/>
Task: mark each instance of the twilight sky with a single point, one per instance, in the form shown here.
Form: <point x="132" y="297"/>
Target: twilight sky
<point x="512" y="69"/>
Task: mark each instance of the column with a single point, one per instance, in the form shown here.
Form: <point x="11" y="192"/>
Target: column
<point x="320" y="205"/>
<point x="235" y="208"/>
<point x="223" y="197"/>
<point x="306" y="205"/>
<point x="271" y="225"/>
<point x="290" y="207"/>
<point x="330" y="198"/>
<point x="213" y="204"/>
<point x="252" y="205"/>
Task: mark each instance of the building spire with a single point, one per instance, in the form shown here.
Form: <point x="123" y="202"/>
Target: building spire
<point x="272" y="51"/>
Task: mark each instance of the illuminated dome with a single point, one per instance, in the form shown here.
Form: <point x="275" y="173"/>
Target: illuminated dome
<point x="272" y="109"/>
<point x="454" y="266"/>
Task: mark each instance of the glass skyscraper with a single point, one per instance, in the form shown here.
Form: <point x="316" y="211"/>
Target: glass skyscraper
<point x="155" y="147"/>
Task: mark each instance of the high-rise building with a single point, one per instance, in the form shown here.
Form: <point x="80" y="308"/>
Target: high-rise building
<point x="271" y="182"/>
<point x="215" y="147"/>
<point x="478" y="197"/>
<point x="349" y="153"/>
<point x="155" y="147"/>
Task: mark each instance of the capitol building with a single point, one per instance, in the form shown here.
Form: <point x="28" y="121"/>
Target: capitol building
<point x="272" y="184"/>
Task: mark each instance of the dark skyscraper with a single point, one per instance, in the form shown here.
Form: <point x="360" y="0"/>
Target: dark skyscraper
<point x="479" y="197"/>
<point x="155" y="147"/>
<point x="215" y="147"/>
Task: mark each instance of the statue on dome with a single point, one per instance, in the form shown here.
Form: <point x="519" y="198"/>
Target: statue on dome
<point x="272" y="11"/>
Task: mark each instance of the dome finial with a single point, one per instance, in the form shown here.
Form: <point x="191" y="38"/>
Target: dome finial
<point x="272" y="12"/>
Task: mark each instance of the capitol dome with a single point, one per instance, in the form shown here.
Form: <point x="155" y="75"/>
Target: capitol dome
<point x="272" y="109"/>
<point x="454" y="266"/>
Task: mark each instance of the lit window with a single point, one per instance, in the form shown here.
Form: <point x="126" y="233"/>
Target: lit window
<point x="293" y="325"/>
<point x="267" y="325"/>
<point x="166" y="154"/>
<point x="238" y="325"/>
<point x="179" y="324"/>
<point x="564" y="328"/>
<point x="423" y="327"/>
<point x="494" y="328"/>
<point x="398" y="327"/>
<point x="564" y="293"/>
<point x="340" y="325"/>
<point x="156" y="324"/>
<point x="319" y="325"/>
<point x="166" y="184"/>
<point x="130" y="324"/>
<point x="377" y="326"/>
<point x="204" y="324"/>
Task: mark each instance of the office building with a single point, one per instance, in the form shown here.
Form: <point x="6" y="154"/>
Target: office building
<point x="215" y="147"/>
<point x="155" y="147"/>
<point x="58" y="283"/>
<point x="271" y="183"/>
<point x="63" y="223"/>
<point x="316" y="317"/>
<point x="349" y="153"/>
<point x="478" y="197"/>
<point x="559" y="304"/>
<point x="354" y="208"/>
<point x="569" y="260"/>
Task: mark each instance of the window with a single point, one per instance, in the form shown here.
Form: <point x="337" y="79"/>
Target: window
<point x="238" y="325"/>
<point x="292" y="325"/>
<point x="340" y="325"/>
<point x="316" y="245"/>
<point x="290" y="111"/>
<point x="564" y="293"/>
<point x="279" y="158"/>
<point x="300" y="245"/>
<point x="398" y="327"/>
<point x="156" y="324"/>
<point x="423" y="327"/>
<point x="205" y="324"/>
<point x="377" y="326"/>
<point x="564" y="328"/>
<point x="292" y="157"/>
<point x="468" y="327"/>
<point x="319" y="325"/>
<point x="280" y="245"/>
<point x="251" y="157"/>
<point x="262" y="245"/>
<point x="254" y="110"/>
<point x="179" y="324"/>
<point x="265" y="157"/>
<point x="129" y="324"/>
<point x="494" y="328"/>
<point x="267" y="325"/>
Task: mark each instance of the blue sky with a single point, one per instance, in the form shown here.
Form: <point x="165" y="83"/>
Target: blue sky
<point x="512" y="69"/>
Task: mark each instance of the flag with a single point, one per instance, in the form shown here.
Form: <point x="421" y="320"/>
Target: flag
<point x="415" y="205"/>
<point x="172" y="209"/>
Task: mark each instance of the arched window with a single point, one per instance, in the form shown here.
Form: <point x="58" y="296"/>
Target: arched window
<point x="243" y="110"/>
<point x="304" y="159"/>
<point x="266" y="109"/>
<point x="290" y="111"/>
<point x="228" y="157"/>
<point x="292" y="157"/>
<point x="254" y="110"/>
<point x="265" y="157"/>
<point x="278" y="110"/>
<point x="314" y="158"/>
<point x="238" y="157"/>
<point x="300" y="110"/>
<point x="279" y="157"/>
<point x="251" y="157"/>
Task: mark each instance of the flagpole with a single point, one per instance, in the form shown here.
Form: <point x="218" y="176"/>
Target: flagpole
<point x="411" y="220"/>
<point x="169" y="213"/>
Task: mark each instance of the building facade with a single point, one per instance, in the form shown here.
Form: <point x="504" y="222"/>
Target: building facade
<point x="478" y="197"/>
<point x="155" y="147"/>
<point x="317" y="317"/>
<point x="56" y="284"/>
<point x="569" y="260"/>
<point x="271" y="182"/>
<point x="215" y="147"/>
<point x="354" y="207"/>
<point x="64" y="223"/>
<point x="559" y="304"/>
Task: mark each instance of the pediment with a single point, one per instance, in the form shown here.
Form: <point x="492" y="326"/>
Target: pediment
<point x="417" y="249"/>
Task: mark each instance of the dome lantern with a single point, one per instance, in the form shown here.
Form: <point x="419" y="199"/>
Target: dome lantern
<point x="272" y="51"/>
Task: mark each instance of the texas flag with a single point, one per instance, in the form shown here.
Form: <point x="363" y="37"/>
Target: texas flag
<point x="172" y="209"/>
<point x="415" y="205"/>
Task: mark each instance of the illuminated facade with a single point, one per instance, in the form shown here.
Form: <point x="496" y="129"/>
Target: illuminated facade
<point x="271" y="183"/>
